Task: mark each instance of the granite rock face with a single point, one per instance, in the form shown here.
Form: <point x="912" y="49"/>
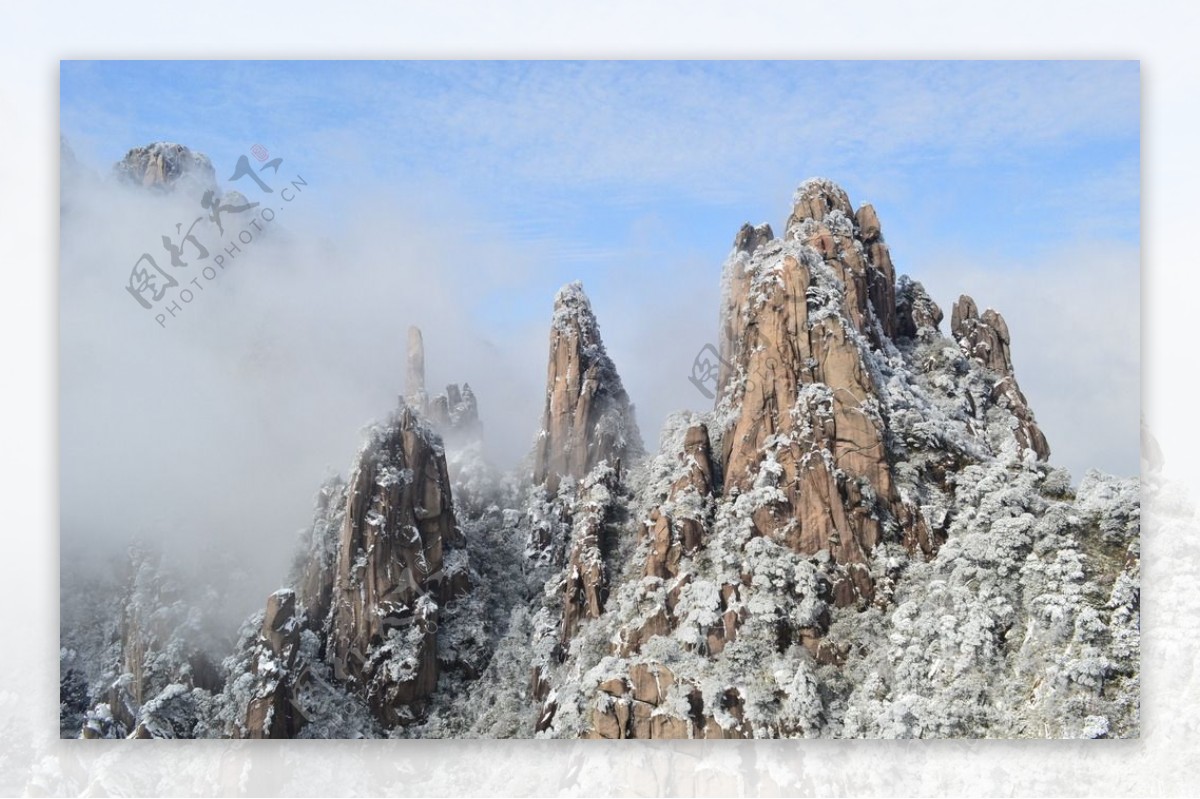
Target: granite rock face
<point x="682" y="530"/>
<point x="917" y="315"/>
<point x="804" y="414"/>
<point x="272" y="712"/>
<point x="637" y="706"/>
<point x="586" y="588"/>
<point x="985" y="338"/>
<point x="881" y="275"/>
<point x="414" y="383"/>
<point x="588" y="417"/>
<point x="167" y="167"/>
<point x="389" y="577"/>
<point x="454" y="413"/>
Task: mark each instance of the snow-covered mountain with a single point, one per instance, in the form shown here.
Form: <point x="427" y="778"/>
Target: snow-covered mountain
<point x="863" y="538"/>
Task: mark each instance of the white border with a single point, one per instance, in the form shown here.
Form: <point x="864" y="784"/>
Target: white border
<point x="35" y="37"/>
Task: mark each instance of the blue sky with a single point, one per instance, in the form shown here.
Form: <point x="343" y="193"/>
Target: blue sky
<point x="1017" y="182"/>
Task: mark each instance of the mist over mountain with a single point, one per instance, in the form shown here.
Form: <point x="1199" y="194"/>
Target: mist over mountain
<point x="865" y="536"/>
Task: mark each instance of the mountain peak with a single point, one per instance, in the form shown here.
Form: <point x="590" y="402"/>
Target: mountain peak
<point x="815" y="199"/>
<point x="588" y="417"/>
<point x="168" y="167"/>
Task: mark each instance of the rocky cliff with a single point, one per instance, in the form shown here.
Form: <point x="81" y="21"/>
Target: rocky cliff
<point x="453" y="413"/>
<point x="391" y="573"/>
<point x="167" y="167"/>
<point x="985" y="339"/>
<point x="588" y="417"/>
<point x="801" y="314"/>
<point x="795" y="538"/>
<point x="863" y="538"/>
<point x="384" y="558"/>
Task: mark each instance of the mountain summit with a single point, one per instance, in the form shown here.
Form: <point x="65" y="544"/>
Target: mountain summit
<point x="588" y="418"/>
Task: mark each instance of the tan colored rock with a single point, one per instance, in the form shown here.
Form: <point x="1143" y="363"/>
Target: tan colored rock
<point x="663" y="559"/>
<point x="644" y="714"/>
<point x="634" y="638"/>
<point x="853" y="246"/>
<point x="398" y="522"/>
<point x="672" y="538"/>
<point x="650" y="682"/>
<point x="881" y="274"/>
<point x="1007" y="394"/>
<point x="414" y="383"/>
<point x="985" y="338"/>
<point x="641" y="723"/>
<point x="815" y="199"/>
<point x="751" y="237"/>
<point x="280" y="627"/>
<point x="803" y="403"/>
<point x="664" y="727"/>
<point x="868" y="224"/>
<point x="808" y="395"/>
<point x="697" y="454"/>
<point x="611" y="722"/>
<point x="917" y="315"/>
<point x="615" y="686"/>
<point x="586" y="584"/>
<point x="588" y="417"/>
<point x="733" y="295"/>
<point x="274" y="716"/>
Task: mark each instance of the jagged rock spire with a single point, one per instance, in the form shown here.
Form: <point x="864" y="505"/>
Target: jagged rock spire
<point x="803" y="405"/>
<point x="852" y="246"/>
<point x="881" y="275"/>
<point x="917" y="315"/>
<point x="588" y="417"/>
<point x="986" y="339"/>
<point x="454" y="413"/>
<point x="414" y="384"/>
<point x="814" y="200"/>
<point x="167" y="167"/>
<point x="389" y="579"/>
